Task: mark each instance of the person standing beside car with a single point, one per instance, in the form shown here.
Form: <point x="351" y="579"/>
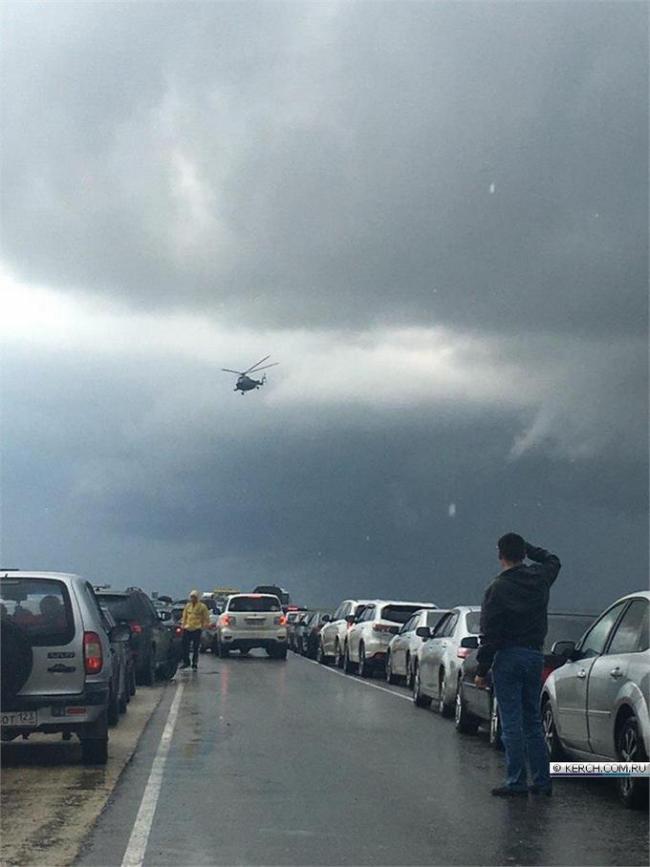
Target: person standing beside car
<point x="195" y="618"/>
<point x="513" y="629"/>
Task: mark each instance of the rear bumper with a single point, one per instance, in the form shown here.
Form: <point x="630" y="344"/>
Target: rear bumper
<point x="59" y="712"/>
<point x="249" y="643"/>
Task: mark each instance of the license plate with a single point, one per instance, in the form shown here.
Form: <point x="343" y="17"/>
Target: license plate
<point x="19" y="718"/>
<point x="256" y="621"/>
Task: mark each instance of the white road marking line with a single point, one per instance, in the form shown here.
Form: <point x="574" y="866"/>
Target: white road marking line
<point x="357" y="679"/>
<point x="136" y="848"/>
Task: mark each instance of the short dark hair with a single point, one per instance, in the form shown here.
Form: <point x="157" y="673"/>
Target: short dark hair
<point x="512" y="547"/>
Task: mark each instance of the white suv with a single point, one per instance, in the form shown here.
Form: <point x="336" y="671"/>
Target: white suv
<point x="372" y="632"/>
<point x="252" y="620"/>
<point x="334" y="635"/>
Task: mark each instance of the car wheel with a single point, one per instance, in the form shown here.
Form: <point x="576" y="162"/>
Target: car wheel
<point x="409" y="673"/>
<point x="390" y="677"/>
<point x="94" y="742"/>
<point x="224" y="652"/>
<point x="339" y="658"/>
<point x="244" y="651"/>
<point x="123" y="703"/>
<point x="348" y="665"/>
<point x="277" y="653"/>
<point x="132" y="684"/>
<point x="418" y="698"/>
<point x="629" y="748"/>
<point x="466" y="723"/>
<point x="364" y="667"/>
<point x="113" y="709"/>
<point x="553" y="745"/>
<point x="170" y="668"/>
<point x="446" y="708"/>
<point x="496" y="738"/>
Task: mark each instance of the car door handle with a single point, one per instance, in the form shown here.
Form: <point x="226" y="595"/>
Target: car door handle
<point x="616" y="672"/>
<point x="581" y="674"/>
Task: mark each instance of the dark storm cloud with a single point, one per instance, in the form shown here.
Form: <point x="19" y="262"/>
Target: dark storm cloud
<point x="308" y="179"/>
<point x="323" y="163"/>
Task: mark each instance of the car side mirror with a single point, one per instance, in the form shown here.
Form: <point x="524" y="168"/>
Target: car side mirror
<point x="563" y="648"/>
<point x="423" y="632"/>
<point x="351" y="619"/>
<point x="470" y="641"/>
<point x="121" y="632"/>
<point x="326" y="619"/>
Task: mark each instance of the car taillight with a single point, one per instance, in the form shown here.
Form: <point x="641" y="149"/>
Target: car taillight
<point x="280" y="621"/>
<point x="384" y="627"/>
<point x="136" y="627"/>
<point x="178" y="630"/>
<point x="463" y="652"/>
<point x="228" y="620"/>
<point x="93" y="657"/>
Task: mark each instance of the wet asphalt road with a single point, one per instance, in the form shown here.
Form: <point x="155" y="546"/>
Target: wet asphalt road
<point x="289" y="763"/>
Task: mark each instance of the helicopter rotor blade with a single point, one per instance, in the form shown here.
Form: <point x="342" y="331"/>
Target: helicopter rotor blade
<point x="228" y="370"/>
<point x="266" y="367"/>
<point x="250" y="369"/>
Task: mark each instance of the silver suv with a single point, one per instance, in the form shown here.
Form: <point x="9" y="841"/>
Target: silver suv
<point x="56" y="659"/>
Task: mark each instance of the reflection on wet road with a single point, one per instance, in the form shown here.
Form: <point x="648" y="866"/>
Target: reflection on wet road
<point x="287" y="763"/>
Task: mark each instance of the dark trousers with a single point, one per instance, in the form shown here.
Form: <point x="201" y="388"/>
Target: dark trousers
<point x="191" y="639"/>
<point x="517" y="678"/>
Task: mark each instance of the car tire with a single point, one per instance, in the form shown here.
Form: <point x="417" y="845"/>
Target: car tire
<point x="321" y="658"/>
<point x="113" y="710"/>
<point x="633" y="791"/>
<point x="409" y="673"/>
<point x="16" y="660"/>
<point x="131" y="681"/>
<point x="224" y="652"/>
<point x="170" y="668"/>
<point x="123" y="703"/>
<point x="364" y="669"/>
<point x="390" y="677"/>
<point x="244" y="651"/>
<point x="447" y="709"/>
<point x="339" y="658"/>
<point x="496" y="734"/>
<point x="419" y="699"/>
<point x="94" y="742"/>
<point x="466" y="723"/>
<point x="348" y="665"/>
<point x="553" y="745"/>
<point x="277" y="653"/>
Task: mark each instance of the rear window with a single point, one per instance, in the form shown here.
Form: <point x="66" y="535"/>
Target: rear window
<point x="41" y="607"/>
<point x="398" y="613"/>
<point x="566" y="627"/>
<point x="121" y="607"/>
<point x="254" y="603"/>
<point x="474" y="622"/>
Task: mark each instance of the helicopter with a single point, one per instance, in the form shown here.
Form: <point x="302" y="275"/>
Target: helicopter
<point x="247" y="383"/>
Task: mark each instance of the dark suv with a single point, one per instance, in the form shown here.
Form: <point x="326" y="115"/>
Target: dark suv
<point x="155" y="650"/>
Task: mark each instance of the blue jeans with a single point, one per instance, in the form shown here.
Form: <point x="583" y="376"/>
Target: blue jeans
<point x="517" y="679"/>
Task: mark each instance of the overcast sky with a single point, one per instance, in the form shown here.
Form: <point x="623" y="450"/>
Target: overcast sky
<point x="433" y="215"/>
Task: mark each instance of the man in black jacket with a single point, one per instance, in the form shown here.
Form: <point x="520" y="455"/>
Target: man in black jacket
<point x="513" y="629"/>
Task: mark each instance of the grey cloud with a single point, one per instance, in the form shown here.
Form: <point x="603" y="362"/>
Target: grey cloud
<point x="346" y="158"/>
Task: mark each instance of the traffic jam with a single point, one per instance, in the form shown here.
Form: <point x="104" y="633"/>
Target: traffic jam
<point x="76" y="658"/>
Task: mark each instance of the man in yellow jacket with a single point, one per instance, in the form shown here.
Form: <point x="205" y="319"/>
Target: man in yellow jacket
<point x="195" y="618"/>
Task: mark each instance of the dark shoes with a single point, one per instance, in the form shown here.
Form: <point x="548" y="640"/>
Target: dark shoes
<point x="541" y="790"/>
<point x="195" y="667"/>
<point x="509" y="792"/>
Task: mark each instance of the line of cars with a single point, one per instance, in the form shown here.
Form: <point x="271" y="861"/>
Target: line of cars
<point x="72" y="655"/>
<point x="595" y="690"/>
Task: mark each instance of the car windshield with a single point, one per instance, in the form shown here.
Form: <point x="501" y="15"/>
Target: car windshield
<point x="254" y="603"/>
<point x="474" y="622"/>
<point x="40" y="607"/>
<point x="398" y="613"/>
<point x="566" y="627"/>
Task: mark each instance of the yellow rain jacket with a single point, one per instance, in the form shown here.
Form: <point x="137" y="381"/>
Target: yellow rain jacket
<point x="195" y="616"/>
